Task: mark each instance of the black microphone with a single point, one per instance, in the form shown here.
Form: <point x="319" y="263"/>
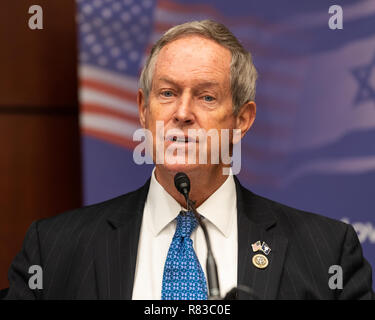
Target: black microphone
<point x="182" y="184"/>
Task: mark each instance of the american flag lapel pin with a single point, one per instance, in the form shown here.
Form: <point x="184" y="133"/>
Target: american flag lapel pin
<point x="256" y="246"/>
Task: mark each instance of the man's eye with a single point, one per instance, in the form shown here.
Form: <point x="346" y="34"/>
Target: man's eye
<point x="167" y="94"/>
<point x="208" y="98"/>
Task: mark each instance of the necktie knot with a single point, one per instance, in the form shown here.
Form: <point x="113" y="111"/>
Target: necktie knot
<point x="186" y="223"/>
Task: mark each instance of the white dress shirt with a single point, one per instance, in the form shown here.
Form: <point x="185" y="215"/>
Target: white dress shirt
<point x="159" y="226"/>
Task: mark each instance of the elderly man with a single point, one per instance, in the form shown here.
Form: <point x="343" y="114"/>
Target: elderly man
<point x="143" y="245"/>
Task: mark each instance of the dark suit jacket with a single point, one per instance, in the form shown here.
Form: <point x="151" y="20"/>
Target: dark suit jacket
<point x="90" y="253"/>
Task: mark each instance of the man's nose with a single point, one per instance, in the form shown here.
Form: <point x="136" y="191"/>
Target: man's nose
<point x="184" y="114"/>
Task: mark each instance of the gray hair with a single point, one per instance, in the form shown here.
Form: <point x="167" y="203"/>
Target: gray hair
<point x="243" y="74"/>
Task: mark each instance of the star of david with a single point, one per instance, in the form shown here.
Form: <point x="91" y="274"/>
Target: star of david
<point x="366" y="88"/>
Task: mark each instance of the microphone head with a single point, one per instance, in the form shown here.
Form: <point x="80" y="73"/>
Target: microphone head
<point x="182" y="183"/>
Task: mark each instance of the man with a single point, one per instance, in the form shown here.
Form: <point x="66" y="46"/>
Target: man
<point x="139" y="245"/>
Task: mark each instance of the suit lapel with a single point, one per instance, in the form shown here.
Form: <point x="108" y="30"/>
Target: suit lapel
<point x="257" y="222"/>
<point x="116" y="251"/>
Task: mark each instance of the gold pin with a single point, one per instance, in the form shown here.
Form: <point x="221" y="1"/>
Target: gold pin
<point x="260" y="261"/>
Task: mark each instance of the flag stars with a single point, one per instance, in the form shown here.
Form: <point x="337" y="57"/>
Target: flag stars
<point x="115" y="52"/>
<point x="135" y="9"/>
<point x="90" y="38"/>
<point x="121" y="65"/>
<point x="97" y="22"/>
<point x="85" y="28"/>
<point x="103" y="61"/>
<point x="110" y="35"/>
<point x="116" y="6"/>
<point x="87" y="9"/>
<point x="96" y="49"/>
<point x="107" y="13"/>
<point x="125" y="16"/>
<point x="97" y="3"/>
<point x="146" y="3"/>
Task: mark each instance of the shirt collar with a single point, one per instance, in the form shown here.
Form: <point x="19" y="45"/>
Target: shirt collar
<point x="218" y="208"/>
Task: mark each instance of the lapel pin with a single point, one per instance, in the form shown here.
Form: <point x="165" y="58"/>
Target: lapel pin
<point x="258" y="246"/>
<point x="260" y="261"/>
<point x="265" y="248"/>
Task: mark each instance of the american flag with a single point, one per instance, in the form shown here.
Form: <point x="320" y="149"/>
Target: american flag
<point x="113" y="37"/>
<point x="256" y="246"/>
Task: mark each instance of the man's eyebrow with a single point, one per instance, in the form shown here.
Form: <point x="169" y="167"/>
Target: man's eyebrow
<point x="168" y="80"/>
<point x="199" y="85"/>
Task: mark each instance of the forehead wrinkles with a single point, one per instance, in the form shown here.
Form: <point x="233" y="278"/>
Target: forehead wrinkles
<point x="195" y="57"/>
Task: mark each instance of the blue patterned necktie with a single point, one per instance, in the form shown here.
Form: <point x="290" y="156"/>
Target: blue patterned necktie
<point x="183" y="277"/>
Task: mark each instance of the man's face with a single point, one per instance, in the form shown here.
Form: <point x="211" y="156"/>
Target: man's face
<point x="190" y="90"/>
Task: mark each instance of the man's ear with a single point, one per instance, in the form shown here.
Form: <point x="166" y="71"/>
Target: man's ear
<point x="245" y="119"/>
<point x="141" y="101"/>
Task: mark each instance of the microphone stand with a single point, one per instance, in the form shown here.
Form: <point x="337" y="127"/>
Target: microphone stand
<point x="211" y="268"/>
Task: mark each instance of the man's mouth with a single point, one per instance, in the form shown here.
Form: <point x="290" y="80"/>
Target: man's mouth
<point x="184" y="139"/>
